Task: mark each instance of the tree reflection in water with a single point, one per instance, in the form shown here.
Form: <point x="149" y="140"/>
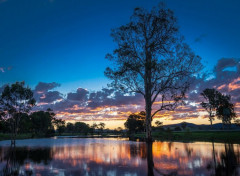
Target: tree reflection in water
<point x="15" y="157"/>
<point x="150" y="159"/>
<point x="116" y="158"/>
<point x="227" y="164"/>
<point x="12" y="166"/>
<point x="150" y="163"/>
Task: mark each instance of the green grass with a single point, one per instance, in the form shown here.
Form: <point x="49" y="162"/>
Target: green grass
<point x="7" y="136"/>
<point x="187" y="136"/>
<point x="218" y="136"/>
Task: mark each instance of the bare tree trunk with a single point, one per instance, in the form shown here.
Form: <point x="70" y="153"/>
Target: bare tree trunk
<point x="210" y="118"/>
<point x="214" y="156"/>
<point x="14" y="133"/>
<point x="15" y="122"/>
<point x="148" y="129"/>
<point x="12" y="124"/>
<point x="211" y="122"/>
<point x="148" y="98"/>
<point x="148" y="109"/>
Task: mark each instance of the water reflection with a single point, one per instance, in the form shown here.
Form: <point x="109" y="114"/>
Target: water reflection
<point x="117" y="157"/>
<point x="13" y="158"/>
<point x="228" y="164"/>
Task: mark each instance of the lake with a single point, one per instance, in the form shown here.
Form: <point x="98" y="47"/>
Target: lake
<point x="115" y="156"/>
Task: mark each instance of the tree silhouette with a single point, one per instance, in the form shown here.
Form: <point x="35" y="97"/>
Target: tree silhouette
<point x="135" y="122"/>
<point x="237" y="122"/>
<point x="225" y="110"/>
<point x="152" y="59"/>
<point x="15" y="101"/>
<point x="94" y="127"/>
<point x="218" y="104"/>
<point x="184" y="125"/>
<point x="212" y="101"/>
<point x="228" y="162"/>
<point x="101" y="126"/>
<point x="158" y="123"/>
<point x="70" y="127"/>
<point x="43" y="122"/>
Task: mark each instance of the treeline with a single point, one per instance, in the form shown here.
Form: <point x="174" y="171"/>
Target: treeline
<point x="44" y="123"/>
<point x="16" y="116"/>
<point x="39" y="123"/>
<point x="81" y="128"/>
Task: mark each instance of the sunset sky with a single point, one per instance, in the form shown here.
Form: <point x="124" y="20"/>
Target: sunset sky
<point x="58" y="48"/>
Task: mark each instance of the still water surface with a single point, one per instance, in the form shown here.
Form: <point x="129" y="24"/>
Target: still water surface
<point x="113" y="157"/>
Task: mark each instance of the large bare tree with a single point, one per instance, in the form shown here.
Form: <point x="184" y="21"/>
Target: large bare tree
<point x="152" y="59"/>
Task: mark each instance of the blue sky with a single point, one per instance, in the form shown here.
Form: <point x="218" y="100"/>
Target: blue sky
<point x="66" y="41"/>
<point x="48" y="43"/>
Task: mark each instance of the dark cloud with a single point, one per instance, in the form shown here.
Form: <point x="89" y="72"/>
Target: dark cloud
<point x="42" y="93"/>
<point x="44" y="87"/>
<point x="80" y="95"/>
<point x="50" y="97"/>
<point x="224" y="63"/>
<point x="84" y="105"/>
<point x="108" y="97"/>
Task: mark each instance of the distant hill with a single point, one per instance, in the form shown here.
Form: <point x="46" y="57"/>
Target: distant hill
<point x="192" y="126"/>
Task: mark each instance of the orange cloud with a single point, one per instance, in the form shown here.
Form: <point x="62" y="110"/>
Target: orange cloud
<point x="235" y="84"/>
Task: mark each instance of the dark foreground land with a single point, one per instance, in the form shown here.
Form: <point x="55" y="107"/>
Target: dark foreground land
<point x="187" y="136"/>
<point x="207" y="136"/>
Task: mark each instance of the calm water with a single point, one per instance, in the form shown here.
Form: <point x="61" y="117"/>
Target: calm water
<point x="112" y="157"/>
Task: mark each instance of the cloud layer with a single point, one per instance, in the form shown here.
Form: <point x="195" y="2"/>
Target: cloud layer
<point x="107" y="104"/>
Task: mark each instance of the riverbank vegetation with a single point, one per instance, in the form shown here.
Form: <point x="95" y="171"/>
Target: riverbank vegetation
<point x="193" y="136"/>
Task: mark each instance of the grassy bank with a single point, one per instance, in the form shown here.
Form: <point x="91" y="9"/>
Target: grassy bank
<point x="187" y="136"/>
<point x="218" y="136"/>
<point x="6" y="136"/>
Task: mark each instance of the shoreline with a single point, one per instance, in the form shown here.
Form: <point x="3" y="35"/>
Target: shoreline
<point x="194" y="136"/>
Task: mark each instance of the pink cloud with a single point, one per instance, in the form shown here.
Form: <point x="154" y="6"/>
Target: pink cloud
<point x="2" y="69"/>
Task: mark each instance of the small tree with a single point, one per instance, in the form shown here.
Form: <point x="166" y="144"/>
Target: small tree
<point x="81" y="127"/>
<point x="158" y="123"/>
<point x="119" y="130"/>
<point x="25" y="124"/>
<point x="43" y="122"/>
<point x="211" y="103"/>
<point x="237" y="122"/>
<point x="70" y="127"/>
<point x="101" y="126"/>
<point x="184" y="125"/>
<point x="60" y="125"/>
<point x="135" y="122"/>
<point x="93" y="127"/>
<point x="225" y="110"/>
<point x="15" y="101"/>
<point x="151" y="59"/>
